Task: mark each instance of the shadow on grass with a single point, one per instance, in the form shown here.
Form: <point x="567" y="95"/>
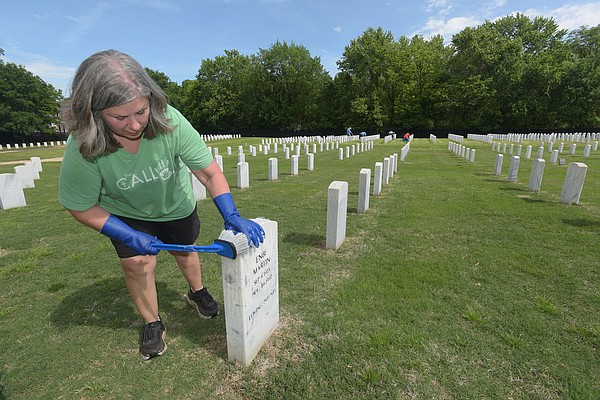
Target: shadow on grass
<point x="107" y="304"/>
<point x="513" y="189"/>
<point x="305" y="239"/>
<point x="590" y="224"/>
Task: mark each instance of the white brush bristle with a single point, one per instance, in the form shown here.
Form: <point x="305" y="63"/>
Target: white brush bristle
<point x="237" y="240"/>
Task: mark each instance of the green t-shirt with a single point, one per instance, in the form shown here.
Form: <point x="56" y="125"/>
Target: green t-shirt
<point x="153" y="184"/>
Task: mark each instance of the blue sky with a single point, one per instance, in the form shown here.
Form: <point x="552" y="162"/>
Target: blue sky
<point x="51" y="38"/>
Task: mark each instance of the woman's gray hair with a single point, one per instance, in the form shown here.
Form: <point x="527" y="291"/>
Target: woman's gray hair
<point x="109" y="79"/>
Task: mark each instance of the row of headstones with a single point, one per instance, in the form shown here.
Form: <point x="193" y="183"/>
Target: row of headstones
<point x="12" y="194"/>
<point x="38" y="144"/>
<point x="337" y="197"/>
<point x="462" y="151"/>
<point x="572" y="187"/>
<point x="583" y="137"/>
<point x="319" y="139"/>
<point x="243" y="168"/>
<point x="267" y="148"/>
<point x="588" y="148"/>
<point x="456" y="138"/>
<point x="207" y="138"/>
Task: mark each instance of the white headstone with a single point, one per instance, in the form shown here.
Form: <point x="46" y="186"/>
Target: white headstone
<point x="386" y="170"/>
<point x="364" y="187"/>
<point x="37" y="162"/>
<point x="537" y="173"/>
<point x="573" y="185"/>
<point x="378" y="179"/>
<point x="513" y="170"/>
<point x="273" y="170"/>
<point x="294" y="166"/>
<point x="528" y="152"/>
<point x="498" y="167"/>
<point x="554" y="157"/>
<point x="11" y="192"/>
<point x="311" y="161"/>
<point x="251" y="296"/>
<point x="243" y="175"/>
<point x="33" y="169"/>
<point x="25" y="175"/>
<point x="337" y="205"/>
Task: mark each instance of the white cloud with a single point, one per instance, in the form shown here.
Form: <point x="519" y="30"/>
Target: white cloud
<point x="58" y="76"/>
<point x="433" y="4"/>
<point x="338" y="29"/>
<point x="447" y="28"/>
<point x="571" y="17"/>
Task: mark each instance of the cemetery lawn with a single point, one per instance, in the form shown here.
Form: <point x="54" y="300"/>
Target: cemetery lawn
<point x="455" y="284"/>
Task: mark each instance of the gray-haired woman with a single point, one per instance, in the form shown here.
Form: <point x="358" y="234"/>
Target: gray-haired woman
<point x="125" y="174"/>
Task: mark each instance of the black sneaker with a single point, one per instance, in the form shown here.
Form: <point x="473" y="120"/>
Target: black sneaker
<point x="203" y="302"/>
<point x="152" y="340"/>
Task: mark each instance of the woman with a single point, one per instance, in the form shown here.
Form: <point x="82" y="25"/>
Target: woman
<point x="125" y="174"/>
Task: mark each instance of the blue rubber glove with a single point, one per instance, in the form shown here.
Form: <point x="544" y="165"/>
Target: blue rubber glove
<point x="234" y="222"/>
<point x="141" y="242"/>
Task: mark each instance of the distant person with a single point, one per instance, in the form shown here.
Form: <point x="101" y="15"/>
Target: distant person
<point x="363" y="134"/>
<point x="406" y="137"/>
<point x="349" y="132"/>
<point x="125" y="174"/>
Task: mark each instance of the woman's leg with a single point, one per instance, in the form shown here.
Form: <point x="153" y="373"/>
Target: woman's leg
<point x="139" y="277"/>
<point x="189" y="264"/>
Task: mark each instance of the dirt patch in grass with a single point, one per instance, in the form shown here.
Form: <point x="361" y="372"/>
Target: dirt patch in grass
<point x="24" y="161"/>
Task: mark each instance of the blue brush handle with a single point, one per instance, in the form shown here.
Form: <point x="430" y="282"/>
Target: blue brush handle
<point x="213" y="248"/>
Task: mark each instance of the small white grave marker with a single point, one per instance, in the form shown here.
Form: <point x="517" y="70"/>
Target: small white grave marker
<point x="25" y="175"/>
<point x="378" y="179"/>
<point x="498" y="167"/>
<point x="273" y="169"/>
<point x="364" y="187"/>
<point x="243" y="175"/>
<point x="337" y="205"/>
<point x="513" y="170"/>
<point x="537" y="173"/>
<point x="573" y="185"/>
<point x="11" y="192"/>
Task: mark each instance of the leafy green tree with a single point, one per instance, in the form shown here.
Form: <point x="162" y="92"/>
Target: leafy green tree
<point x="369" y="65"/>
<point x="505" y="71"/>
<point x="219" y="98"/>
<point x="172" y="89"/>
<point x="27" y="103"/>
<point x="580" y="87"/>
<point x="290" y="86"/>
<point x="424" y="72"/>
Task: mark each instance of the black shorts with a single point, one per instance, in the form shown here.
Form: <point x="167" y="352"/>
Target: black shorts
<point x="179" y="231"/>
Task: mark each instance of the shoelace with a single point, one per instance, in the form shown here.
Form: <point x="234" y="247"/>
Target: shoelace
<point x="151" y="331"/>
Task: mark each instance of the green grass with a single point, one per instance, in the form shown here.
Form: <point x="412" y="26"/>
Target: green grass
<point x="454" y="285"/>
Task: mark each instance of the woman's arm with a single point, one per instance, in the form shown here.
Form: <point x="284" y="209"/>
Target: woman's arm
<point x="94" y="217"/>
<point x="213" y="179"/>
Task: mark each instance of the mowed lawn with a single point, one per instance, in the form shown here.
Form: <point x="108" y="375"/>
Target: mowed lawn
<point x="455" y="284"/>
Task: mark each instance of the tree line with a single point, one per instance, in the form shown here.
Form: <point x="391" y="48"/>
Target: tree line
<point x="515" y="74"/>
